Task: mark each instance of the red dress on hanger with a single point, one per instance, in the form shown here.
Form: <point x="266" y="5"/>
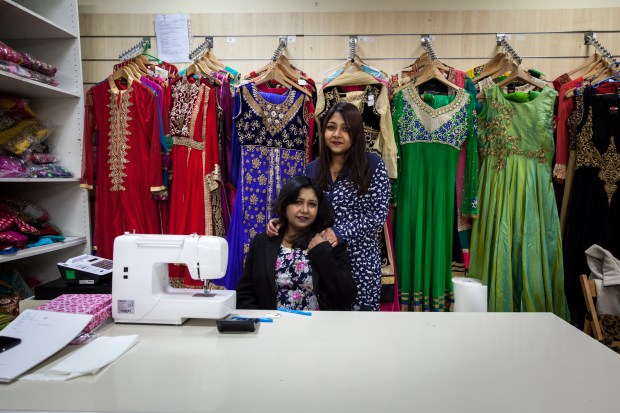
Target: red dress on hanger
<point x="128" y="165"/>
<point x="195" y="198"/>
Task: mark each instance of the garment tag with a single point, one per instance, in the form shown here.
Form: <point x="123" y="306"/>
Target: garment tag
<point x="159" y="72"/>
<point x="302" y="82"/>
<point x="613" y="110"/>
<point x="371" y="100"/>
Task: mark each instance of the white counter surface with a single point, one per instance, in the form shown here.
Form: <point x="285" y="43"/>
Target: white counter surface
<point x="346" y="362"/>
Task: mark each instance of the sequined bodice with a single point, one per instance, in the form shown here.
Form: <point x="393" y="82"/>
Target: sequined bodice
<point x="422" y="123"/>
<point x="266" y="123"/>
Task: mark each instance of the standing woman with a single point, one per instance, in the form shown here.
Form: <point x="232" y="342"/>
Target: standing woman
<point x="357" y="184"/>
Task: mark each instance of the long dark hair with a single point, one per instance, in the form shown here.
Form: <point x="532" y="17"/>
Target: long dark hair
<point x="356" y="164"/>
<point x="288" y="195"/>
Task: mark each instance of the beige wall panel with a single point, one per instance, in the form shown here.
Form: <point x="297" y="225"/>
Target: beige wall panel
<point x="116" y="25"/>
<point x="491" y="21"/>
<point x="249" y="24"/>
<point x="255" y="48"/>
<point x="387" y="40"/>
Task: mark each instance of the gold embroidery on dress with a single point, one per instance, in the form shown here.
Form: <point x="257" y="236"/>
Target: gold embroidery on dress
<point x="275" y="117"/>
<point x="501" y="143"/>
<point x="608" y="163"/>
<point x="433" y="119"/>
<point x="118" y="138"/>
<point x="183" y="97"/>
<point x="190" y="143"/>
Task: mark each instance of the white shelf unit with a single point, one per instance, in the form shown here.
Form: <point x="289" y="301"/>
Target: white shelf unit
<point x="49" y="30"/>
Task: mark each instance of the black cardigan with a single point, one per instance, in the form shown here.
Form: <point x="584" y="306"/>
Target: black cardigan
<point x="331" y="275"/>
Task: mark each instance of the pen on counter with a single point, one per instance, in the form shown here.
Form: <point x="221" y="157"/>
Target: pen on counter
<point x="259" y="319"/>
<point x="289" y="310"/>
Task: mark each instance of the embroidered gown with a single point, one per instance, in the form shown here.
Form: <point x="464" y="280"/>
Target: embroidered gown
<point x="128" y="161"/>
<point x="516" y="241"/>
<point x="593" y="212"/>
<point x="195" y="198"/>
<point x="430" y="135"/>
<point x="270" y="139"/>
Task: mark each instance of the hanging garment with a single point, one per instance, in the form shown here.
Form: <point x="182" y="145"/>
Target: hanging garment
<point x="270" y="140"/>
<point x="516" y="241"/>
<point x="593" y="211"/>
<point x="195" y="198"/>
<point x="128" y="161"/>
<point x="431" y="133"/>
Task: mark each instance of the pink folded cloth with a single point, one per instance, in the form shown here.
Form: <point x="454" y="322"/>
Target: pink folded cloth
<point x="98" y="305"/>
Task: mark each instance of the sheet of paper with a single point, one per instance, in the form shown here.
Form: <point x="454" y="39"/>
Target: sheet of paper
<point x="87" y="360"/>
<point x="43" y="333"/>
<point x="172" y="33"/>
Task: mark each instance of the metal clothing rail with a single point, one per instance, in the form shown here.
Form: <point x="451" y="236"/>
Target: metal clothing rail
<point x="204" y="47"/>
<point x="425" y="39"/>
<point x="352" y="48"/>
<point x="502" y="39"/>
<point x="589" y="38"/>
<point x="282" y="41"/>
<point x="141" y="47"/>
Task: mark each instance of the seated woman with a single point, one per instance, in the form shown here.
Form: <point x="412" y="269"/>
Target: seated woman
<point x="298" y="269"/>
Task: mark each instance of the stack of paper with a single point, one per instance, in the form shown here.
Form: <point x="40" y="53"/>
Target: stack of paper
<point x="43" y="333"/>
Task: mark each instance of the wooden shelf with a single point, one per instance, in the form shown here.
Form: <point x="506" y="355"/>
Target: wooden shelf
<point x="18" y="22"/>
<point x="34" y="251"/>
<point x="40" y="180"/>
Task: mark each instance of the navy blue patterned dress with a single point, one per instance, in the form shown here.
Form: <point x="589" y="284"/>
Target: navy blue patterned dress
<point x="357" y="220"/>
<point x="269" y="143"/>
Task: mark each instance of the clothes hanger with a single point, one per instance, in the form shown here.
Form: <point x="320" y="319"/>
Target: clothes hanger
<point x="432" y="72"/>
<point x="597" y="71"/>
<point x="277" y="75"/>
<point x="493" y="66"/>
<point x="352" y="66"/>
<point x="606" y="75"/>
<point x="285" y="65"/>
<point x="122" y="73"/>
<point x="520" y="74"/>
<point x="211" y="62"/>
<point x="588" y="64"/>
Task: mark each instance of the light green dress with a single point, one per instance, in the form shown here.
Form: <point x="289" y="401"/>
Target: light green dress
<point x="516" y="245"/>
<point x="430" y="133"/>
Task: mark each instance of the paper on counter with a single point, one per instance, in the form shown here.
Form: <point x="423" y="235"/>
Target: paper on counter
<point x="87" y="360"/>
<point x="43" y="333"/>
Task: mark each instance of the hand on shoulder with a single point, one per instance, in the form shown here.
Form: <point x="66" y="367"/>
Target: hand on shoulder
<point x="316" y="240"/>
<point x="273" y="227"/>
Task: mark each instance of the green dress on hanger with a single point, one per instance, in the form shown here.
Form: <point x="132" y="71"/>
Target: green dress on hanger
<point x="516" y="247"/>
<point x="430" y="131"/>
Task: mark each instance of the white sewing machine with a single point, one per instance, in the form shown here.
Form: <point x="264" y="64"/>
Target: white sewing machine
<point x="141" y="291"/>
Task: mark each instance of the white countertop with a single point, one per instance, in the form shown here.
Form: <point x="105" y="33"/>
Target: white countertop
<point x="346" y="362"/>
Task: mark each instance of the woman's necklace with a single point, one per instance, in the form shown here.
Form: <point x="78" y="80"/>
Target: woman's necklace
<point x="335" y="171"/>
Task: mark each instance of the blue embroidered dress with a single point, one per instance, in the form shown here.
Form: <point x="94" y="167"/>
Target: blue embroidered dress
<point x="431" y="132"/>
<point x="269" y="143"/>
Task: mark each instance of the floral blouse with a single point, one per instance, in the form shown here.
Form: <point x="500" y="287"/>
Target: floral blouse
<point x="294" y="287"/>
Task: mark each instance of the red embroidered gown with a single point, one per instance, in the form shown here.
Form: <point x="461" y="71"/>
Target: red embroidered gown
<point x="128" y="163"/>
<point x="195" y="199"/>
